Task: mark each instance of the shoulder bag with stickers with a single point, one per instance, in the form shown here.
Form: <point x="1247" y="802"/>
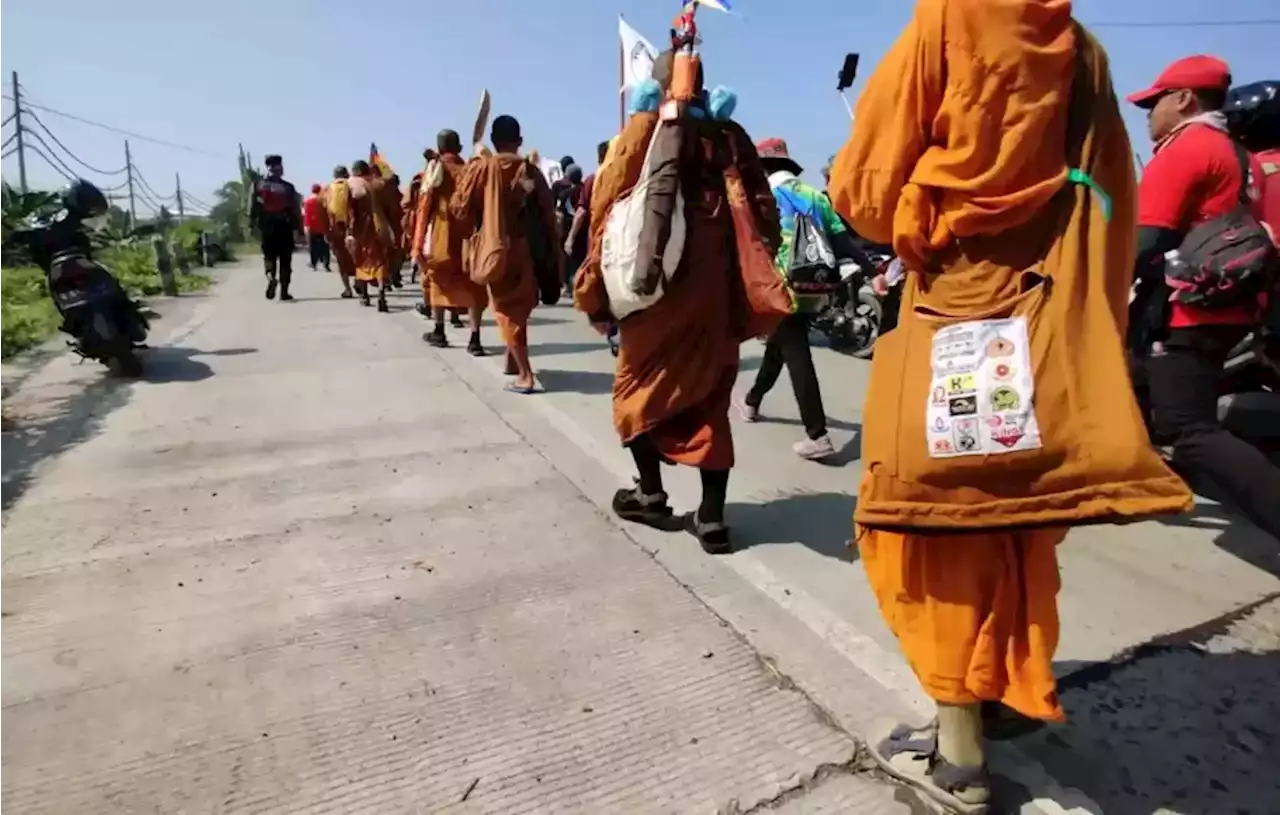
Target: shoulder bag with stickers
<point x="1011" y="411"/>
<point x="812" y="267"/>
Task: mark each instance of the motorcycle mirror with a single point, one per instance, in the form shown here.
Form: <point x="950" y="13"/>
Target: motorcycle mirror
<point x="848" y="72"/>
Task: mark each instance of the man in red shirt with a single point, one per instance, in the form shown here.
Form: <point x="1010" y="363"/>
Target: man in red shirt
<point x="316" y="221"/>
<point x="1196" y="174"/>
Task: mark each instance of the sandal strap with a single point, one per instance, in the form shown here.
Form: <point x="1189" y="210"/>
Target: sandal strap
<point x="907" y="739"/>
<point x="951" y="778"/>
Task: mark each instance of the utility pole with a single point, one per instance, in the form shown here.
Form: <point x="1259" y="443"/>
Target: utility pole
<point x="178" y="183"/>
<point x="133" y="207"/>
<point x="17" y="124"/>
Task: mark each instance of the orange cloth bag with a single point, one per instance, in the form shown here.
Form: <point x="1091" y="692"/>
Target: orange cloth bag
<point x="1003" y="399"/>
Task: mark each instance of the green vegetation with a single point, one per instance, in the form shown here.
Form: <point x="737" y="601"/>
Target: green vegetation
<point x="28" y="315"/>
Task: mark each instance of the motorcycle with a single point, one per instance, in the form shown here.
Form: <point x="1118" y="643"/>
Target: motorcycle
<point x="854" y="315"/>
<point x="105" y="324"/>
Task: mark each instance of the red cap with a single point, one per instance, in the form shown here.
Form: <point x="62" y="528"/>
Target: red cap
<point x="1198" y="73"/>
<point x="776" y="149"/>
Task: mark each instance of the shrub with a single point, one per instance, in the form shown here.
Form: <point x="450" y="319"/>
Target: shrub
<point x="28" y="315"/>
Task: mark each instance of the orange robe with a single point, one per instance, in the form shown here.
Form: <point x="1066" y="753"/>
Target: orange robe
<point x="514" y="293"/>
<point x="371" y="227"/>
<point x="337" y="201"/>
<point x="678" y="358"/>
<point x="444" y="280"/>
<point x="966" y="133"/>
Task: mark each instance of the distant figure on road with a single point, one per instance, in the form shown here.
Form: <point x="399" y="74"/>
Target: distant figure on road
<point x="275" y="209"/>
<point x="999" y="412"/>
<point x="678" y="358"/>
<point x="337" y="200"/>
<point x="370" y="238"/>
<point x="316" y="219"/>
<point x="438" y="241"/>
<point x="496" y="192"/>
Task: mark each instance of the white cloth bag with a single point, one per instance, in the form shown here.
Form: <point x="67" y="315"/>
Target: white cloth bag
<point x="624" y="272"/>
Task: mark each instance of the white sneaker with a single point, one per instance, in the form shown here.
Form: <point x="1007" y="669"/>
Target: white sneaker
<point x="815" y="449"/>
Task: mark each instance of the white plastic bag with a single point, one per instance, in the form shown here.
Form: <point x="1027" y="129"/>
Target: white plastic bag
<point x="624" y="272"/>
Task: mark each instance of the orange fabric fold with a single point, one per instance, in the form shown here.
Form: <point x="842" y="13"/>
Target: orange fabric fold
<point x="976" y="615"/>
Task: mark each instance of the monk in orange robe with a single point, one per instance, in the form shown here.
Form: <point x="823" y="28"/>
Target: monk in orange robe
<point x="337" y="201"/>
<point x="395" y="204"/>
<point x="370" y="234"/>
<point x="494" y="192"/>
<point x="439" y="246"/>
<point x="989" y="150"/>
<point x="678" y="358"/>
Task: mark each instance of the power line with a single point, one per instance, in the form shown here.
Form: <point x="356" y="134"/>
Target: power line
<point x="49" y="161"/>
<point x="68" y="151"/>
<point x="142" y="182"/>
<point x="69" y="172"/>
<point x="8" y="153"/>
<point x="121" y="131"/>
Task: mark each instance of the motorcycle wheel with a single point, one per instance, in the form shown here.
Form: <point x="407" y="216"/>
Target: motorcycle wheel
<point x="868" y="314"/>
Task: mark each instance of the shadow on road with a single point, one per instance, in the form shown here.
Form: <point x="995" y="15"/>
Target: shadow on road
<point x="173" y="364"/>
<point x="586" y="382"/>
<point x="1238" y="536"/>
<point x="1188" y="723"/>
<point x="57" y="424"/>
<point x="821" y="521"/>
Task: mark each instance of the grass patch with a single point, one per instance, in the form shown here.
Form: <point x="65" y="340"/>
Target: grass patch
<point x="28" y="315"/>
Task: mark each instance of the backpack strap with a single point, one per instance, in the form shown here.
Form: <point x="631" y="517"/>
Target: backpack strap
<point x="1242" y="156"/>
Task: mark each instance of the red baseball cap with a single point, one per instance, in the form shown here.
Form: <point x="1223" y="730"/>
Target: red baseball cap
<point x="1198" y="73"/>
<point x="776" y="150"/>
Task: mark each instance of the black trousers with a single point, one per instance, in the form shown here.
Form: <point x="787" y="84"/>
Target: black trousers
<point x="277" y="256"/>
<point x="789" y="345"/>
<point x="1183" y="390"/>
<point x="319" y="246"/>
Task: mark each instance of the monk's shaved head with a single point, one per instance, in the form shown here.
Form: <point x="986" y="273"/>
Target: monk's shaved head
<point x="340" y="172"/>
<point x="360" y="167"/>
<point x="505" y="134"/>
<point x="448" y="141"/>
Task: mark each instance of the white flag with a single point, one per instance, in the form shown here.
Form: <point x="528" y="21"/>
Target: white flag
<point x="638" y="55"/>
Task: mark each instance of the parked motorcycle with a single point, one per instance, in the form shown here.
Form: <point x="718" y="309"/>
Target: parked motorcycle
<point x="104" y="322"/>
<point x="853" y="317"/>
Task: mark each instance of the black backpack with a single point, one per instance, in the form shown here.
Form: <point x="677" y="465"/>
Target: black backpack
<point x="1225" y="261"/>
<point x="540" y="248"/>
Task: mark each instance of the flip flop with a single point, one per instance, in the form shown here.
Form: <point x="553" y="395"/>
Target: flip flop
<point x="523" y="390"/>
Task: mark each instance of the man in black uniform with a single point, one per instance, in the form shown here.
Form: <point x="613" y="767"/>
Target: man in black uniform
<point x="276" y="210"/>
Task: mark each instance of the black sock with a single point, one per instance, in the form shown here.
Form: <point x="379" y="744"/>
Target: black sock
<point x="648" y="464"/>
<point x="715" y="489"/>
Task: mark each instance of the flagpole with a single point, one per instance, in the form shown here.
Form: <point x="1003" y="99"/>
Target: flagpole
<point x="622" y="82"/>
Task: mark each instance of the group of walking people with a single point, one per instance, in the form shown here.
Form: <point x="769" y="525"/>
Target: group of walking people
<point x="1000" y="412"/>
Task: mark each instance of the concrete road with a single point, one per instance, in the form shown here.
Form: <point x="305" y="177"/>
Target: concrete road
<point x="312" y="564"/>
<point x="304" y="566"/>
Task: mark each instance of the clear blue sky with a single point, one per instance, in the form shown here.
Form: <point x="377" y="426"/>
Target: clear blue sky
<point x="295" y="77"/>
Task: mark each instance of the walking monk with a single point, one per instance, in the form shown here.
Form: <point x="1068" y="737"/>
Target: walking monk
<point x="493" y="201"/>
<point x="678" y="358"/>
<point x="370" y="234"/>
<point x="337" y="200"/>
<point x="437" y="240"/>
<point x="990" y="151"/>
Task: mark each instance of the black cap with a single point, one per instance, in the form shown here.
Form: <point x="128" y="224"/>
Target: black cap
<point x="273" y="160"/>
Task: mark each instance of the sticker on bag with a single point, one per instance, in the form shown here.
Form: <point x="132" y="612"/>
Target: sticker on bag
<point x="982" y="391"/>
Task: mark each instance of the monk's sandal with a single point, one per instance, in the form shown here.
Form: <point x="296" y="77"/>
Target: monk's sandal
<point x="713" y="536"/>
<point x="633" y="505"/>
<point x="910" y="754"/>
